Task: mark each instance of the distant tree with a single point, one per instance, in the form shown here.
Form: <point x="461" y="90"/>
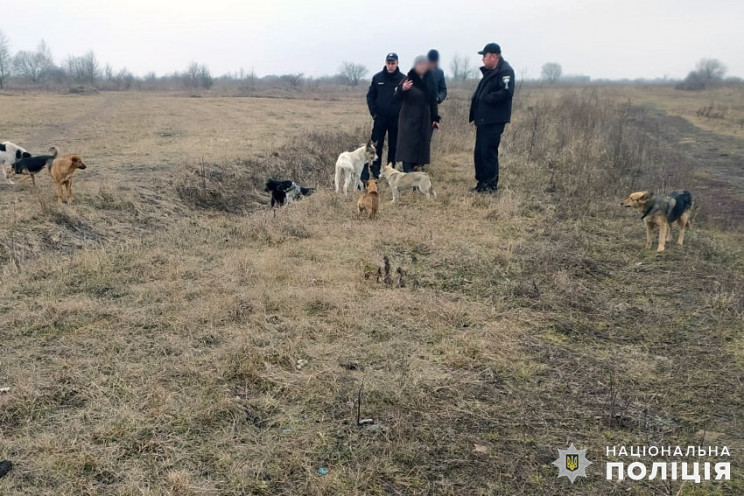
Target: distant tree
<point x="84" y="69"/>
<point x="123" y="80"/>
<point x="461" y="68"/>
<point x="294" y="80"/>
<point x="205" y="77"/>
<point x="353" y="73"/>
<point x="34" y="66"/>
<point x="711" y="70"/>
<point x="108" y="72"/>
<point x="707" y="73"/>
<point x="551" y="72"/>
<point x="198" y="76"/>
<point x="6" y="60"/>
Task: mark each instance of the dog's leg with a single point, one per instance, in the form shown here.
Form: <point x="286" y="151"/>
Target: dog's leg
<point x="649" y="234"/>
<point x="5" y="174"/>
<point x="663" y="233"/>
<point x="33" y="180"/>
<point x="337" y="179"/>
<point x="347" y="182"/>
<point x="395" y="194"/>
<point x="59" y="192"/>
<point x="69" y="191"/>
<point x="684" y="223"/>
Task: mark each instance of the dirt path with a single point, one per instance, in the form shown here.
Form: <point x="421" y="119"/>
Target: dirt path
<point x="717" y="161"/>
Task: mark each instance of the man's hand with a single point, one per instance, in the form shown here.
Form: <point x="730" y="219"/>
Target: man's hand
<point x="407" y="84"/>
<point x="435" y="125"/>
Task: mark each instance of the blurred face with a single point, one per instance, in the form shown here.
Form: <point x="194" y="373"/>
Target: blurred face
<point x="391" y="65"/>
<point x="421" y="68"/>
<point x="490" y="60"/>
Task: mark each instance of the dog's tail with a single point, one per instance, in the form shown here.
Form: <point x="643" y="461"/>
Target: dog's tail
<point x="50" y="163"/>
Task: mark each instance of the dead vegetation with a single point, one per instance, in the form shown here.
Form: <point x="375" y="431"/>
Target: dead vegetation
<point x="236" y="350"/>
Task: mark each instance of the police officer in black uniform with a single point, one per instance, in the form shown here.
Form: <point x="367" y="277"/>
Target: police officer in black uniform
<point x="384" y="109"/>
<point x="490" y="110"/>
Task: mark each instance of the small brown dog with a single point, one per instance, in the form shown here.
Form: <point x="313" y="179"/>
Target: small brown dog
<point x="369" y="201"/>
<point x="61" y="171"/>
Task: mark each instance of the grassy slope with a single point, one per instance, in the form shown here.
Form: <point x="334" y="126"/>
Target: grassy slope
<point x="170" y="363"/>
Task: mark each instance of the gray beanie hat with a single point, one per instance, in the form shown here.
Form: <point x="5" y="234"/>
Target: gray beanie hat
<point x="420" y="59"/>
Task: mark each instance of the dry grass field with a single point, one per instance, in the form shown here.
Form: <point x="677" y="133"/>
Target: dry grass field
<point x="169" y="334"/>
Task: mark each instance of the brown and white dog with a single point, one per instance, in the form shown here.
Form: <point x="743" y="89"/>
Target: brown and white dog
<point x="61" y="171"/>
<point x="662" y="212"/>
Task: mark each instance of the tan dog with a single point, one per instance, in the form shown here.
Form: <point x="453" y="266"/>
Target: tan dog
<point x="370" y="201"/>
<point x="407" y="180"/>
<point x="662" y="212"/>
<point x="61" y="171"/>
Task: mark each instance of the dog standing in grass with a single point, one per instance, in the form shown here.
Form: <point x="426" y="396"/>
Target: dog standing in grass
<point x="9" y="155"/>
<point x="61" y="171"/>
<point x="408" y="180"/>
<point x="30" y="166"/>
<point x="350" y="165"/>
<point x="662" y="212"/>
<point x="369" y="202"/>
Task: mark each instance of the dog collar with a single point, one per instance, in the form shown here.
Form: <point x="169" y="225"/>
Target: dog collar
<point x="646" y="212"/>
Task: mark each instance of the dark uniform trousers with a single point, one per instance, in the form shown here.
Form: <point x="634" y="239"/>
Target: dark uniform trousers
<point x="383" y="125"/>
<point x="486" y="153"/>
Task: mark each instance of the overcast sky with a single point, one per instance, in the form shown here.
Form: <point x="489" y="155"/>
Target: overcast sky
<point x="600" y="38"/>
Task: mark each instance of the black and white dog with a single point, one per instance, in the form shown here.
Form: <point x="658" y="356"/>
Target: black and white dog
<point x="9" y="155"/>
<point x="35" y="164"/>
<point x="284" y="192"/>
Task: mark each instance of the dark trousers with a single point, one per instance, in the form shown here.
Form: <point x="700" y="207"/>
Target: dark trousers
<point x="486" y="153"/>
<point x="409" y="166"/>
<point x="383" y="125"/>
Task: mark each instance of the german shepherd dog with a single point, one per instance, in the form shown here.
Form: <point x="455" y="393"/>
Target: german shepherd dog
<point x="33" y="165"/>
<point x="9" y="155"/>
<point x="350" y="165"/>
<point x="284" y="192"/>
<point x="662" y="212"/>
<point x="62" y="170"/>
<point x="369" y="202"/>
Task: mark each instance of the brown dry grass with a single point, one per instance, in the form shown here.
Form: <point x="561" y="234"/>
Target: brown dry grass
<point x="195" y="342"/>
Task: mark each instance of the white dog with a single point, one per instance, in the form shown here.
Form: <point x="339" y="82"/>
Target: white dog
<point x="407" y="180"/>
<point x="9" y="155"/>
<point x="351" y="164"/>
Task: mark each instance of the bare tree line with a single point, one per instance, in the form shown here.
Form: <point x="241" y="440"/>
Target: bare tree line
<point x="37" y="68"/>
